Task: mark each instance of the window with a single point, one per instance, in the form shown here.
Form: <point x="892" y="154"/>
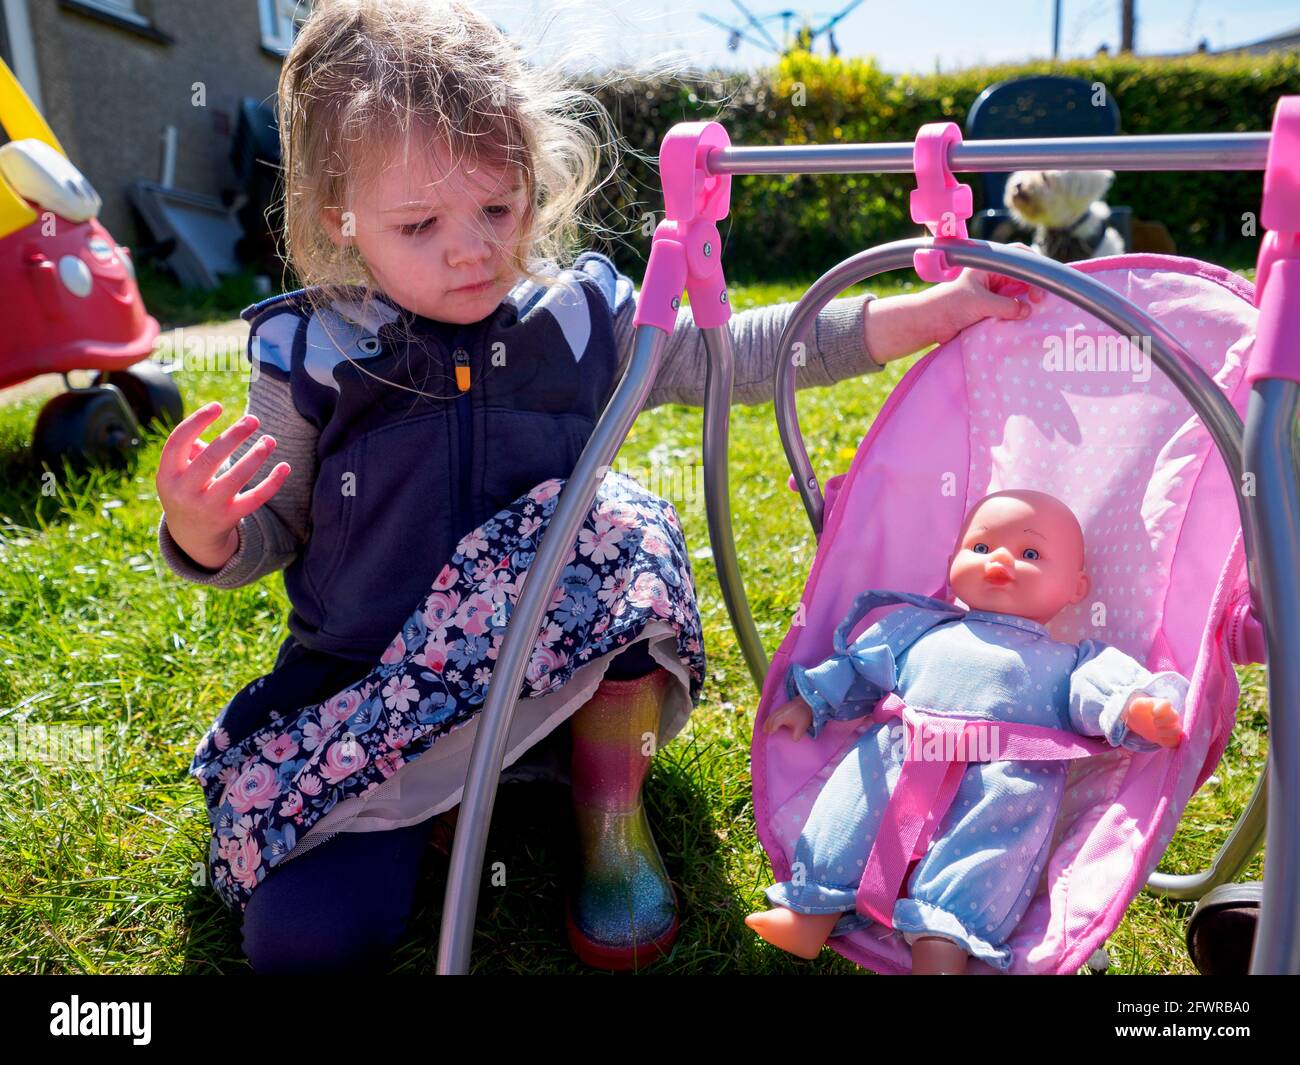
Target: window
<point x="123" y="9"/>
<point x="129" y="15"/>
<point x="280" y="21"/>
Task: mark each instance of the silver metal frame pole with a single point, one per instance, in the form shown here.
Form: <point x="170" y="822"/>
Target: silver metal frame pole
<point x="717" y="498"/>
<point x="1179" y="151"/>
<point x="460" y="902"/>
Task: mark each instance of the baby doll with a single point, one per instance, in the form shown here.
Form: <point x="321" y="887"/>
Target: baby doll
<point x="1018" y="561"/>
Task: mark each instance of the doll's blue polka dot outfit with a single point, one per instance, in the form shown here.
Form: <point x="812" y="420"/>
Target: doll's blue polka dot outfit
<point x="979" y="873"/>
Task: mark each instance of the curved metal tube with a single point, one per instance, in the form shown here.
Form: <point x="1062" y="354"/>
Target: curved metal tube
<point x="1208" y="402"/>
<point x="460" y="903"/>
<point x="1233" y="855"/>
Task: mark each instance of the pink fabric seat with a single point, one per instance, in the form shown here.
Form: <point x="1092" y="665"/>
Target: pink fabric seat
<point x="1125" y="452"/>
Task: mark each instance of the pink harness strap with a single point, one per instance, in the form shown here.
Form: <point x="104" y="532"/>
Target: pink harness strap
<point x="926" y="786"/>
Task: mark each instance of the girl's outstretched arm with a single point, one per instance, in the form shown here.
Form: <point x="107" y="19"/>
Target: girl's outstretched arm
<point x="836" y="349"/>
<point x="852" y="336"/>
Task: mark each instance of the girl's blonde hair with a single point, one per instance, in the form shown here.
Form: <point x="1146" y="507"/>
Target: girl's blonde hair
<point x="364" y="75"/>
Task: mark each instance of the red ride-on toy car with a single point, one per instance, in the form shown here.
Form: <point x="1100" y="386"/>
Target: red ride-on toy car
<point x="70" y="301"/>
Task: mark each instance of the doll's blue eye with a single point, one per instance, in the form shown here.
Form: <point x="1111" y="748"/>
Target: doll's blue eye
<point x="1031" y="553"/>
<point x="981" y="549"/>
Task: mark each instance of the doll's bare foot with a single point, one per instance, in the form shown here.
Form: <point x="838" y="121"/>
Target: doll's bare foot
<point x="802" y="934"/>
<point x="936" y="956"/>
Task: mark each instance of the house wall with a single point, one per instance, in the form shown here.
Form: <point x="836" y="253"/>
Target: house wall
<point x="109" y="90"/>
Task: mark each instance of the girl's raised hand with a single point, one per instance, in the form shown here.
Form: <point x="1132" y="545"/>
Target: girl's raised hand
<point x="978" y="294"/>
<point x="203" y="509"/>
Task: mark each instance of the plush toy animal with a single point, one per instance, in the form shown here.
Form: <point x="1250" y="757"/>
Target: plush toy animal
<point x="1067" y="211"/>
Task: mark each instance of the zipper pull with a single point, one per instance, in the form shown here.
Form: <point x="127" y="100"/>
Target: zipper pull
<point x="462" y="368"/>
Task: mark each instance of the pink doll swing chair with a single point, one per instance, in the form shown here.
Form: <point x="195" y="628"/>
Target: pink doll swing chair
<point x="1163" y="546"/>
<point x="1120" y="445"/>
<point x="1183" y="562"/>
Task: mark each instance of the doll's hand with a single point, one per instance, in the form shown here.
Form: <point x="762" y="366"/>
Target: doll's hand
<point x="1155" y="720"/>
<point x="979" y="294"/>
<point x="796" y="715"/>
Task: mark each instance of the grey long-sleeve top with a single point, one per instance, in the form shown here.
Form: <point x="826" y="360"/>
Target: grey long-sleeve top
<point x="271" y="537"/>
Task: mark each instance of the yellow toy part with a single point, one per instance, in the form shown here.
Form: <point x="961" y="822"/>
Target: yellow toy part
<point x="21" y="121"/>
<point x="18" y="114"/>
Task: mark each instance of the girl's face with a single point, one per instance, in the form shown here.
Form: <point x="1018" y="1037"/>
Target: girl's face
<point x="435" y="236"/>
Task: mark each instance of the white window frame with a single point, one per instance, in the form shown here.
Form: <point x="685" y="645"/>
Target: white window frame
<point x="280" y="20"/>
<point x="123" y="9"/>
<point x="23" y="48"/>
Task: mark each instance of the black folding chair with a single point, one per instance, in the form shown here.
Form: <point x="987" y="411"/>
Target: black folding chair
<point x="1045" y="105"/>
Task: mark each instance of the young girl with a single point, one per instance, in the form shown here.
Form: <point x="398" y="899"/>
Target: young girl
<point x="411" y="417"/>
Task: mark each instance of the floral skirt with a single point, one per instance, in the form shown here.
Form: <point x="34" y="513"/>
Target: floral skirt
<point x="392" y="748"/>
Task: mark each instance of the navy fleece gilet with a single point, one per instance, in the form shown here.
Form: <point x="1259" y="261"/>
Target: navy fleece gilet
<point x="402" y="477"/>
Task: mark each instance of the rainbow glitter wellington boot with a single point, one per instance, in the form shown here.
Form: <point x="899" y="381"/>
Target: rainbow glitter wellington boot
<point x="622" y="912"/>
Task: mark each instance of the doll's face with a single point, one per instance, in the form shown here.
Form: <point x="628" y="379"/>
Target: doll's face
<point x="430" y="231"/>
<point x="1020" y="554"/>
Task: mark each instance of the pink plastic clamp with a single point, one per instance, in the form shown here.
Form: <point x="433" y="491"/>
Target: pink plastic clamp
<point x="686" y="249"/>
<point x="939" y="201"/>
<point x="1277" y="273"/>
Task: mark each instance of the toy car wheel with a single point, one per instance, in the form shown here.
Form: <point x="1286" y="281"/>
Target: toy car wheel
<point x="1221" y="930"/>
<point x="88" y="427"/>
<point x="151" y="392"/>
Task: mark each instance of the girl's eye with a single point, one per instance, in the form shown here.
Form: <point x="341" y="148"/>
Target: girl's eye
<point x="1030" y="553"/>
<point x="981" y="549"/>
<point x="415" y="228"/>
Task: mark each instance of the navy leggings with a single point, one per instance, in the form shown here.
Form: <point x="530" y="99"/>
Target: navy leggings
<point x="343" y="905"/>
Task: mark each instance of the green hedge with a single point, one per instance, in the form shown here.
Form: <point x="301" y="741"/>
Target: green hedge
<point x="796" y="225"/>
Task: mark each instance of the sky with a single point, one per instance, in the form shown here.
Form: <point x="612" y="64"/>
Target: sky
<point x="904" y="36"/>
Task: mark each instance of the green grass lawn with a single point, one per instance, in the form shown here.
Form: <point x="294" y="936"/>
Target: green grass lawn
<point x="101" y="868"/>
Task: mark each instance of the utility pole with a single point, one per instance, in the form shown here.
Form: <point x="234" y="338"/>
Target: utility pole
<point x="1127" y="19"/>
<point x="1056" y="30"/>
